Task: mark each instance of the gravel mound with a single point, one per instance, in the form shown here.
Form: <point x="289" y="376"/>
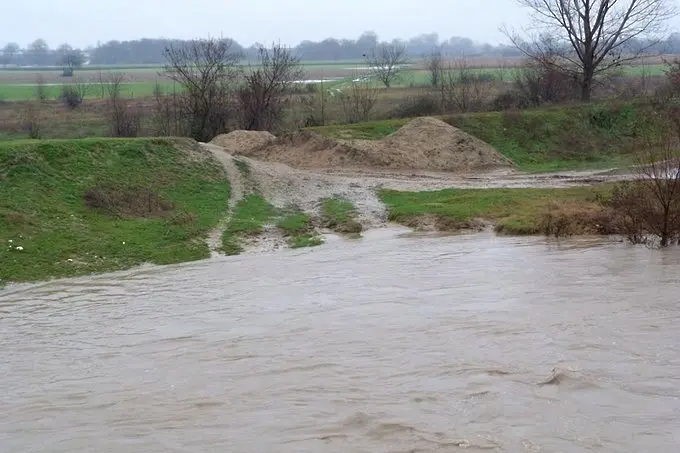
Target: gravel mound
<point x="422" y="144"/>
<point x="239" y="141"/>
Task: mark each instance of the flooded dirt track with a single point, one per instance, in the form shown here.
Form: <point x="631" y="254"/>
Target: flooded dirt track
<point x="390" y="344"/>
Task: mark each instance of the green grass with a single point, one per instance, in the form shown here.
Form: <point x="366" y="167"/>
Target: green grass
<point x="23" y="92"/>
<point x="297" y="226"/>
<point x="249" y="218"/>
<point x="518" y="211"/>
<point x="253" y="213"/>
<point x="549" y="139"/>
<point x="304" y="240"/>
<point x="295" y="223"/>
<point x="42" y="207"/>
<point x="339" y="214"/>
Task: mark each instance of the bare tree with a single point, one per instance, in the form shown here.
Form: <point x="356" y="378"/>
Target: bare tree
<point x="208" y="72"/>
<point x="386" y="61"/>
<point x="463" y="89"/>
<point x="592" y="36"/>
<point x="650" y="205"/>
<point x="262" y="96"/>
<point x="124" y="119"/>
<point x="358" y="100"/>
<point x="40" y="88"/>
<point x="435" y="66"/>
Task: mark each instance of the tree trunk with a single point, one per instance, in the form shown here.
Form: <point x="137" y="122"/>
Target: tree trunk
<point x="588" y="76"/>
<point x="586" y="87"/>
<point x="665" y="228"/>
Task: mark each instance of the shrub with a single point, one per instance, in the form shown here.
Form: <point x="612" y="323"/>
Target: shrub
<point x="127" y="202"/>
<point x="72" y="96"/>
<point x="411" y="107"/>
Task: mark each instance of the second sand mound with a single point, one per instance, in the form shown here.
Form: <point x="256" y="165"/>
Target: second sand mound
<point x="422" y="144"/>
<point x="239" y="141"/>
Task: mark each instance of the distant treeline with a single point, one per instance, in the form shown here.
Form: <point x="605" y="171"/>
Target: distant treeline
<point x="150" y="51"/>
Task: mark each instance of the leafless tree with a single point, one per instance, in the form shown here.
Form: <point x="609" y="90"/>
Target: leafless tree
<point x="40" y="88"/>
<point x="435" y="66"/>
<point x="386" y="61"/>
<point x="650" y="205"/>
<point x="167" y="117"/>
<point x="462" y="89"/>
<point x="32" y="119"/>
<point x="358" y="100"/>
<point x="208" y="72"/>
<point x="261" y="98"/>
<point x="125" y="119"/>
<point x="592" y="36"/>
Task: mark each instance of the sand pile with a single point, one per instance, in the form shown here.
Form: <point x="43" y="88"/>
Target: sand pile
<point x="422" y="144"/>
<point x="238" y="141"/>
<point x="307" y="149"/>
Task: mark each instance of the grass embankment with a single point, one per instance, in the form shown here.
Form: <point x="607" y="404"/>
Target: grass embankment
<point x="74" y="207"/>
<point x="540" y="140"/>
<point x="339" y="214"/>
<point x="513" y="211"/>
<point x="254" y="213"/>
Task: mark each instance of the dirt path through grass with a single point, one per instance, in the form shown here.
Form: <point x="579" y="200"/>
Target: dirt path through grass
<point x="287" y="188"/>
<point x="236" y="194"/>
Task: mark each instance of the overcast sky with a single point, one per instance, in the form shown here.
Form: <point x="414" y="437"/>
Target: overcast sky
<point x="82" y="23"/>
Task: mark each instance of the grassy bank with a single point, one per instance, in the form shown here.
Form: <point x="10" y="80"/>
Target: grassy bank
<point x="513" y="211"/>
<point x="539" y="140"/>
<point x="73" y="207"/>
<point x="253" y="214"/>
<point x="339" y="214"/>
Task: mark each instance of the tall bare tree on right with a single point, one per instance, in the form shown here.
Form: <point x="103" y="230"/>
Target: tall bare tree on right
<point x="587" y="37"/>
<point x="386" y="61"/>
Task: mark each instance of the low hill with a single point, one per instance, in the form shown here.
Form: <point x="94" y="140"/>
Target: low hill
<point x="73" y="207"/>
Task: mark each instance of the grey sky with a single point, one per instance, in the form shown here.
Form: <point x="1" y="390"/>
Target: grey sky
<point x="82" y="22"/>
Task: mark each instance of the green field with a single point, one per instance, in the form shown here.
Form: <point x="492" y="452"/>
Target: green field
<point x="73" y="207"/>
<point x="513" y="211"/>
<point x="17" y="84"/>
<point x="23" y="92"/>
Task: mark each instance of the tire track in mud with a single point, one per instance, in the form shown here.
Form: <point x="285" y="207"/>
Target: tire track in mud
<point x="236" y="193"/>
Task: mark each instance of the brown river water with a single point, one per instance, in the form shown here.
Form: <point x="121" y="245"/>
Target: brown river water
<point x="389" y="344"/>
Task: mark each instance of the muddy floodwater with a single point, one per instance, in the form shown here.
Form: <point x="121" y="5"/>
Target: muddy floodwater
<point x="389" y="344"/>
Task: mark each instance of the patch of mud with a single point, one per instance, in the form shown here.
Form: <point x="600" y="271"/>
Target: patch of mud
<point x="239" y="141"/>
<point x="422" y="144"/>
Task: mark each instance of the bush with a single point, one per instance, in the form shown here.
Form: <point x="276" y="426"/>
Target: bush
<point x="72" y="96"/>
<point x="127" y="202"/>
<point x="411" y="107"/>
<point x="566" y="219"/>
<point x="508" y="101"/>
<point x="537" y="85"/>
<point x="125" y="119"/>
<point x="31" y="120"/>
